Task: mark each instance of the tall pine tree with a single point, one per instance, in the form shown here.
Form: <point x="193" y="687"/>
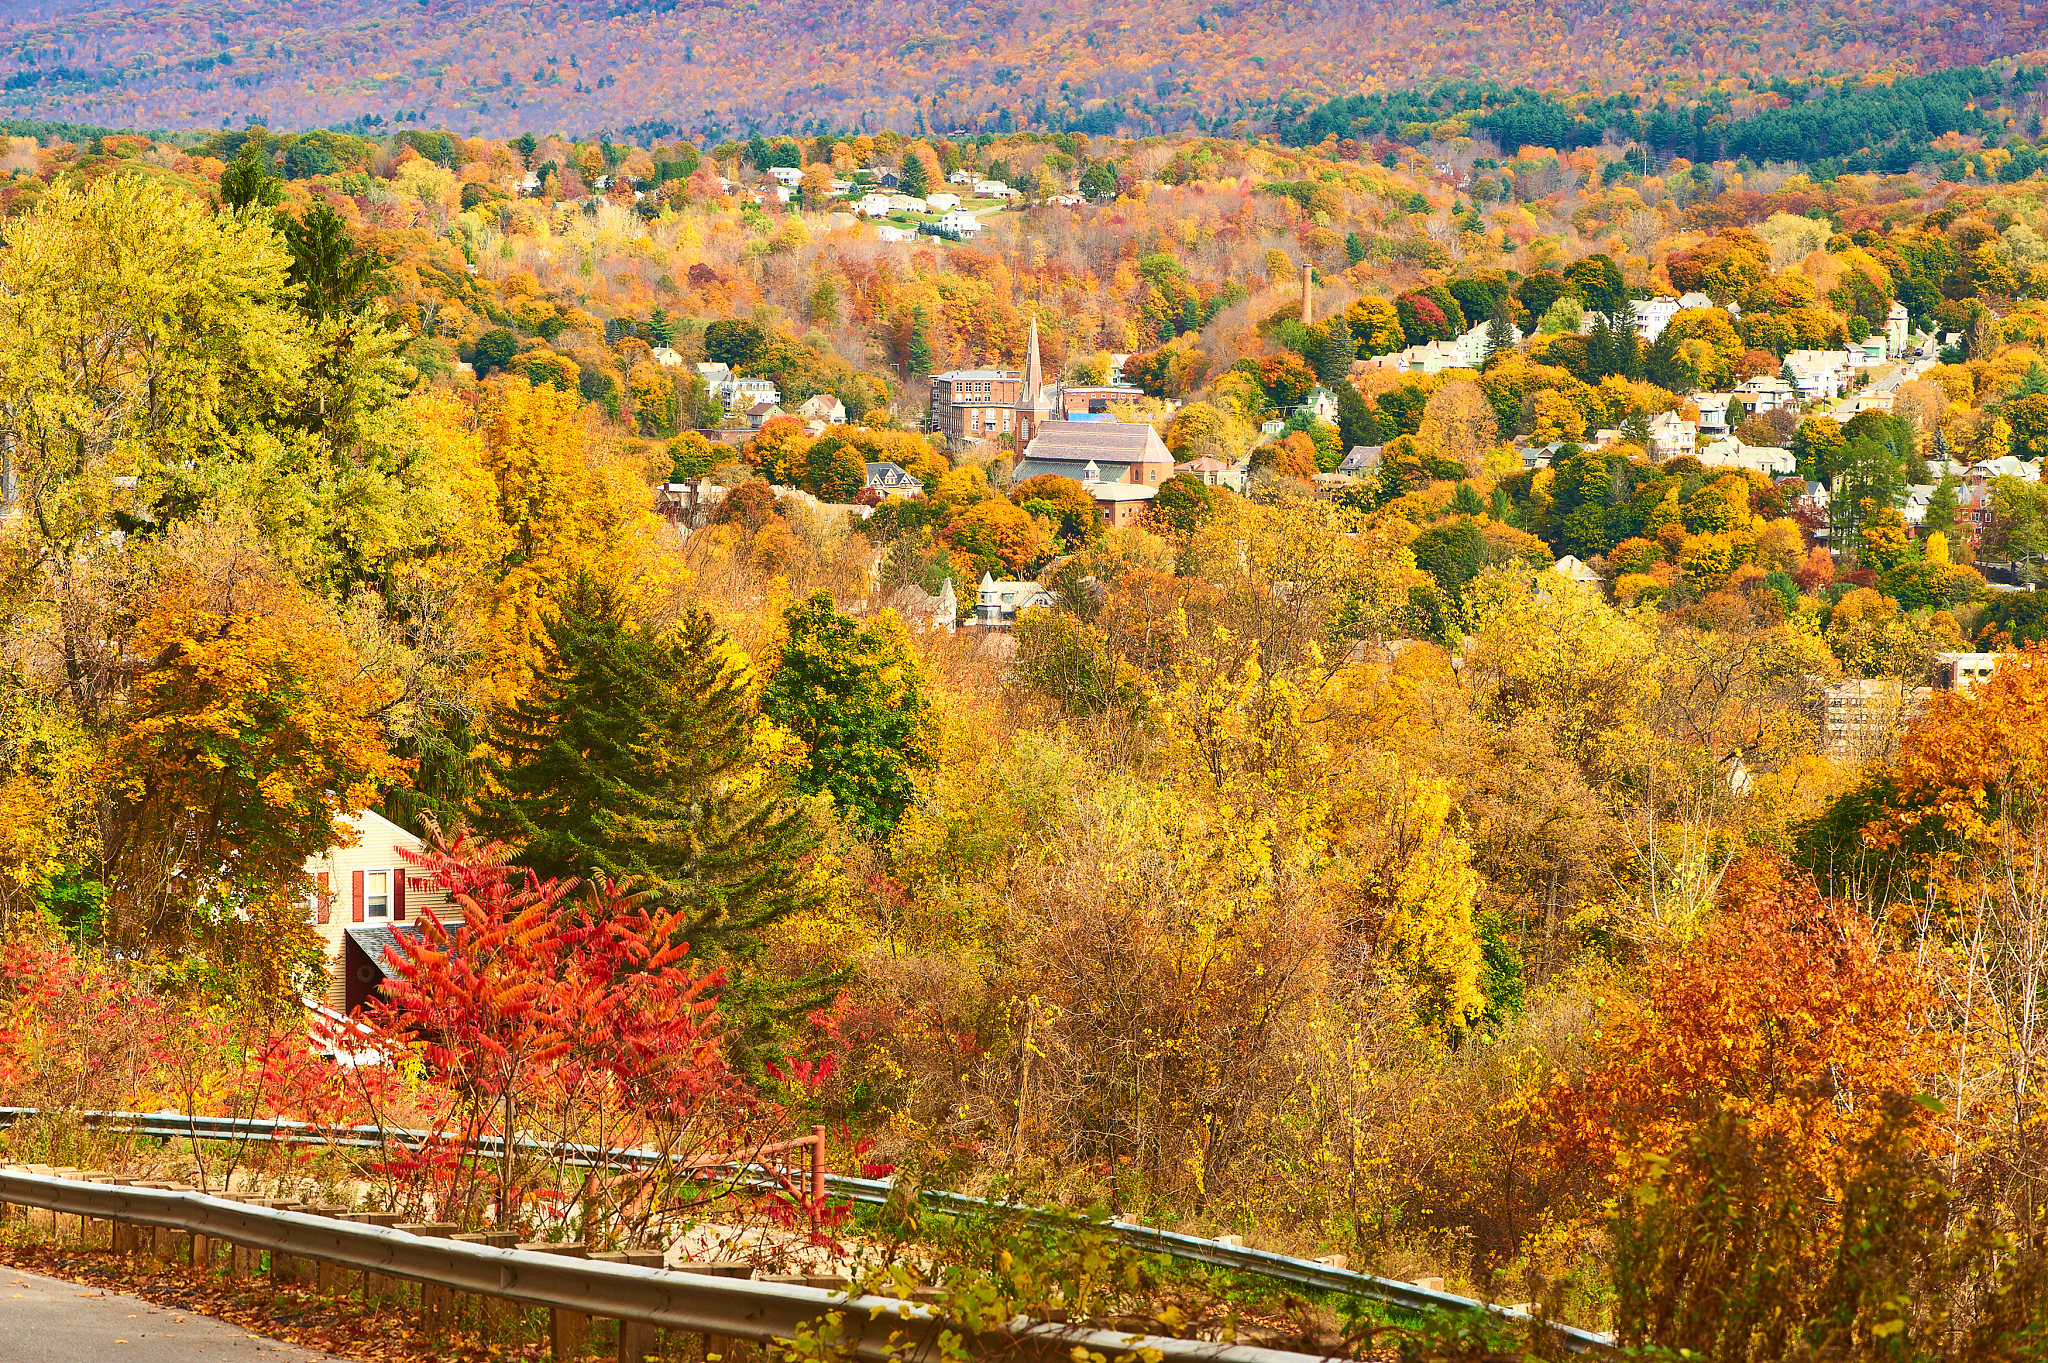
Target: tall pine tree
<point x="632" y="755"/>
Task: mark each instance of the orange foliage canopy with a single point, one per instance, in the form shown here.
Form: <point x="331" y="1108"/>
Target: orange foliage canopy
<point x="1789" y="1014"/>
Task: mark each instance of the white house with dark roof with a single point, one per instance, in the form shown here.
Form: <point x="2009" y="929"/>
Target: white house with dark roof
<point x="892" y="480"/>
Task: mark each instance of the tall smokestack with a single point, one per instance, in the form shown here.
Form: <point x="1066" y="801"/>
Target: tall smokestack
<point x="1308" y="304"/>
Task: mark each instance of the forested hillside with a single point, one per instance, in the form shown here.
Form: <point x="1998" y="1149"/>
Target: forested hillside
<point x="1547" y="792"/>
<point x="498" y="68"/>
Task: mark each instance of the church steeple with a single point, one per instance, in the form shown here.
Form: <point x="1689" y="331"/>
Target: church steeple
<point x="1034" y="378"/>
<point x="1034" y="404"/>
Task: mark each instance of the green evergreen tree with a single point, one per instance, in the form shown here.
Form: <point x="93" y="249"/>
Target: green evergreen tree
<point x="854" y="696"/>
<point x="1500" y="332"/>
<point x="332" y="274"/>
<point x="633" y="755"/>
<point x="913" y="179"/>
<point x="247" y="182"/>
<point x="1941" y="507"/>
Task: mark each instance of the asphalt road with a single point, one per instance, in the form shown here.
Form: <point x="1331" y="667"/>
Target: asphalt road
<point x="48" y="1320"/>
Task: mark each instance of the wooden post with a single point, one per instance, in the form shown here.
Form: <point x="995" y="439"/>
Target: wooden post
<point x="568" y="1331"/>
<point x="376" y="1286"/>
<point x="498" y="1316"/>
<point x="437" y="1303"/>
<point x="722" y="1346"/>
<point x="637" y="1342"/>
<point x="330" y="1280"/>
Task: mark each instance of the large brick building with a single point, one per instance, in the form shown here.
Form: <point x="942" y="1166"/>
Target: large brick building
<point x="979" y="406"/>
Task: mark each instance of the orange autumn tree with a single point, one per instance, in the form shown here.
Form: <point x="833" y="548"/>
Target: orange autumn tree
<point x="1789" y="1015"/>
<point x="252" y="726"/>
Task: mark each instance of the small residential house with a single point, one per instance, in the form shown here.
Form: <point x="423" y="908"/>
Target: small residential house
<point x="665" y="356"/>
<point x="361" y="896"/>
<point x="1897" y="330"/>
<point x="1572" y="570"/>
<point x="1213" y="472"/>
<point x="1360" y="460"/>
<point x="1847" y="411"/>
<point x="825" y="407"/>
<point x="892" y="480"/>
<point x="761" y="413"/>
<point x="873" y="205"/>
<point x="1713" y="414"/>
<point x="884" y="232"/>
<point x="993" y="189"/>
<point x="942" y="202"/>
<point x="996" y="604"/>
<point x="959" y="223"/>
<point x="1731" y="453"/>
<point x="1766" y="393"/>
<point x="786" y="175"/>
<point x="1671" y="436"/>
<point x="1321" y="404"/>
<point x="1652" y="315"/>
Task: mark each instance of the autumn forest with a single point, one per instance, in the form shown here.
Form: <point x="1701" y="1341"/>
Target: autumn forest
<point x="1546" y="793"/>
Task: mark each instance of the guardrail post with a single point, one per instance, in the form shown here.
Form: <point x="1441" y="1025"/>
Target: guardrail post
<point x="329" y="1280"/>
<point x="376" y="1286"/>
<point x="568" y="1331"/>
<point x="637" y="1343"/>
<point x="722" y="1346"/>
<point x="437" y="1303"/>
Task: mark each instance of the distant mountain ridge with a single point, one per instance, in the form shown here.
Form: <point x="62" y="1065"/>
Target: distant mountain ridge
<point x="726" y="67"/>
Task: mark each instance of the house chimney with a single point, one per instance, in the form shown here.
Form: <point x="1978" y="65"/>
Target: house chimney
<point x="1308" y="305"/>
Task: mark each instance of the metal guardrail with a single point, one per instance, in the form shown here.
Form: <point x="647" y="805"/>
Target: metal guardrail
<point x="1305" y="1274"/>
<point x="882" y="1329"/>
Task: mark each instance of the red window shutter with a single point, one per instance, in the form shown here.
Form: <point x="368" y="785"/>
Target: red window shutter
<point x="355" y="879"/>
<point x="398" y="894"/>
<point x="323" y="894"/>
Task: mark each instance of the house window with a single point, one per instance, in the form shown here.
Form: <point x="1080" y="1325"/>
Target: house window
<point x="377" y="894"/>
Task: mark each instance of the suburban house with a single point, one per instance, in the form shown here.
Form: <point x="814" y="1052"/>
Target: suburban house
<point x="761" y="413"/>
<point x="1713" y="409"/>
<point x="1572" y="570"/>
<point x="1473" y="345"/>
<point x="665" y="356"/>
<point x="1847" y="411"/>
<point x="735" y="393"/>
<point x="1766" y="393"/>
<point x="996" y="604"/>
<point x="959" y="223"/>
<point x="1671" y="435"/>
<point x="1897" y="329"/>
<point x="873" y="205"/>
<point x="825" y="407"/>
<point x="1360" y="459"/>
<point x="786" y="175"/>
<point x="1211" y="471"/>
<point x="993" y="189"/>
<point x="1322" y="404"/>
<point x="1730" y="453"/>
<point x="939" y="203"/>
<point x="1104" y="451"/>
<point x="892" y="480"/>
<point x="361" y="896"/>
<point x="1652" y="315"/>
<point x="1820" y="375"/>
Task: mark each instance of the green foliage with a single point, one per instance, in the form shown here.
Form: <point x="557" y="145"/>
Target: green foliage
<point x="634" y="755"/>
<point x="853" y="695"/>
